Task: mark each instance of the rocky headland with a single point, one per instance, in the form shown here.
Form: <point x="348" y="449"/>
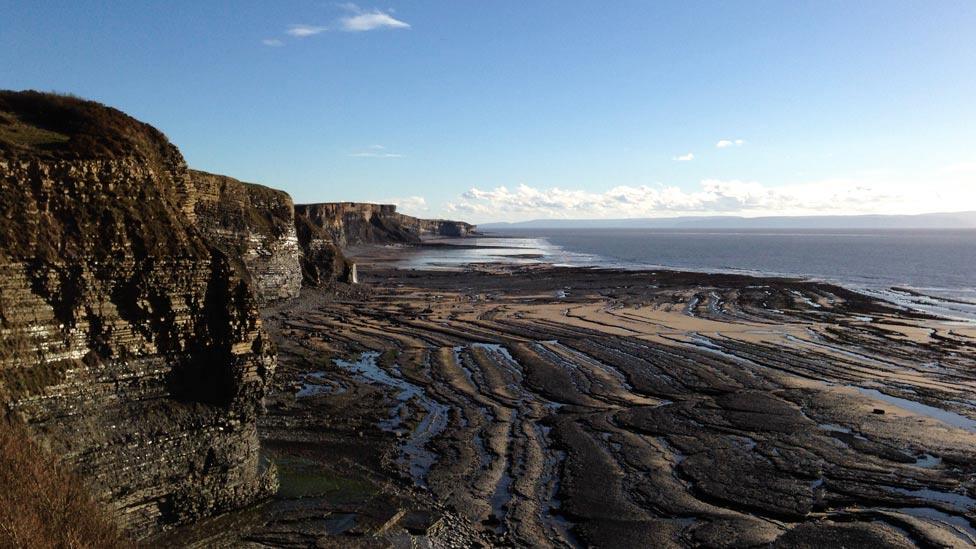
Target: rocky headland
<point x="353" y="223"/>
<point x="132" y="343"/>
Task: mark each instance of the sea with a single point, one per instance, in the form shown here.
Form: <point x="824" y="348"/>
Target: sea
<point x="928" y="270"/>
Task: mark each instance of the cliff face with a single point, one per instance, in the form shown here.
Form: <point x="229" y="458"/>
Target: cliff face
<point x="129" y="343"/>
<point x="322" y="260"/>
<point x="254" y="224"/>
<point x="324" y="229"/>
<point x="435" y="227"/>
<point x="353" y="223"/>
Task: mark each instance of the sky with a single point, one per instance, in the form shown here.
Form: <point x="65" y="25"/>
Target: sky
<point x="516" y="110"/>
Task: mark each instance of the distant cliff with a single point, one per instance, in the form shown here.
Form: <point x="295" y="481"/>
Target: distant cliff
<point x="324" y="229"/>
<point x="130" y="343"/>
<point x="355" y="223"/>
<point x="322" y="261"/>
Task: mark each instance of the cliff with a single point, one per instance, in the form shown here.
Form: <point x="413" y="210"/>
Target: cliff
<point x="324" y="229"/>
<point x="130" y="340"/>
<point x="322" y="261"/>
<point x="130" y="344"/>
<point x="435" y="227"/>
<point x="355" y="223"/>
<point x="255" y="225"/>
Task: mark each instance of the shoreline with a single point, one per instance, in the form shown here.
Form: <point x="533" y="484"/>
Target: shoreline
<point x="910" y="299"/>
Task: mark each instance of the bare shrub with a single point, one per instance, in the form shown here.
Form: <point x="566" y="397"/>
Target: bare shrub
<point x="42" y="503"/>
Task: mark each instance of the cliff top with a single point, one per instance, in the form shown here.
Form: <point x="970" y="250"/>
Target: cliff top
<point x="79" y="210"/>
<point x="241" y="204"/>
<point x="55" y="126"/>
<point x="347" y="204"/>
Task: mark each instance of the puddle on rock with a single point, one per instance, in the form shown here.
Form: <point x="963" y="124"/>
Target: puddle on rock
<point x="944" y="416"/>
<point x="414" y="453"/>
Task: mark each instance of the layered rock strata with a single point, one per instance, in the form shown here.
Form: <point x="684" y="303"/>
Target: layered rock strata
<point x="129" y="343"/>
<point x="325" y="229"/>
<point x="130" y="340"/>
<point x="354" y="223"/>
<point x="322" y="261"/>
<point x="254" y="224"/>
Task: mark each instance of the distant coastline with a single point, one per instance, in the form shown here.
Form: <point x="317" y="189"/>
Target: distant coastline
<point x="923" y="270"/>
<point x="945" y="220"/>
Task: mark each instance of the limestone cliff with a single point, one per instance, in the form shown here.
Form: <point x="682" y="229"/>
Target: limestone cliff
<point x="354" y="223"/>
<point x="322" y="260"/>
<point x="253" y="224"/>
<point x="435" y="227"/>
<point x="130" y="344"/>
<point x="324" y="229"/>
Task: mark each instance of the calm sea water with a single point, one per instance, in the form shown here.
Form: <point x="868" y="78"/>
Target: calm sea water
<point x="940" y="264"/>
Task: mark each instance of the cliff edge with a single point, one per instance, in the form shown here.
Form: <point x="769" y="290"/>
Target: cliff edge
<point x="130" y="338"/>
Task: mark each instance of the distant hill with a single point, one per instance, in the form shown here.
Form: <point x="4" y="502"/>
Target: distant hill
<point x="957" y="220"/>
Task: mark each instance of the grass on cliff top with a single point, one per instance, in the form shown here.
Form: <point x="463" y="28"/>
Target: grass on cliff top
<point x="42" y="503"/>
<point x="18" y="133"/>
<point x="50" y="125"/>
<point x="271" y="210"/>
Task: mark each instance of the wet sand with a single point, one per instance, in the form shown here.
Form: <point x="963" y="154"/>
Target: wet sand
<point x="567" y="407"/>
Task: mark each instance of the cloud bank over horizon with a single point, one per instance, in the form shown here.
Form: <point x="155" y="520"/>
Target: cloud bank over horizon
<point x="950" y="189"/>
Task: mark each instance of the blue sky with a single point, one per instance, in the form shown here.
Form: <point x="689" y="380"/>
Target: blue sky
<point x="521" y="110"/>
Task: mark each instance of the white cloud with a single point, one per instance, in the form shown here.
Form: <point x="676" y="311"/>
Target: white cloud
<point x="375" y="151"/>
<point x="303" y="31"/>
<point x="726" y="143"/>
<point x="358" y="20"/>
<point x="410" y="205"/>
<point x="273" y="42"/>
<point x="684" y="157"/>
<point x="361" y="20"/>
<point x="860" y="194"/>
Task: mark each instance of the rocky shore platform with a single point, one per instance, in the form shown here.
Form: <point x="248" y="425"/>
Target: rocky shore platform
<point x="569" y="407"/>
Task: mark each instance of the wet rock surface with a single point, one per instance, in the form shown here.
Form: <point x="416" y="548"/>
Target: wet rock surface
<point x="635" y="409"/>
<point x="496" y="407"/>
